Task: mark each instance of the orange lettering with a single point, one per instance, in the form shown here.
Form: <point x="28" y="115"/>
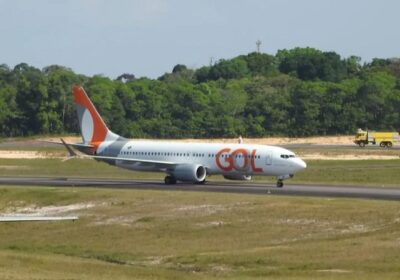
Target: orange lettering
<point x="253" y="165"/>
<point x="245" y="159"/>
<point x="230" y="162"/>
<point x="227" y="159"/>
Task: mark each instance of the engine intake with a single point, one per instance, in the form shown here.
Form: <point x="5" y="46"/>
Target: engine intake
<point x="190" y="173"/>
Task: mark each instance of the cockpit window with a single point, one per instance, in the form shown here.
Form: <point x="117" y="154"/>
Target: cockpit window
<point x="287" y="156"/>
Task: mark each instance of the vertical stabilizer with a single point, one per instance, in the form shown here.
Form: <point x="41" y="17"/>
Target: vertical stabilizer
<point x="93" y="129"/>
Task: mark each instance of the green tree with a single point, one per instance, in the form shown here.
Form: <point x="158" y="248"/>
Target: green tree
<point x="261" y="64"/>
<point x="268" y="106"/>
<point x="32" y="99"/>
<point x="60" y="100"/>
<point x="311" y="64"/>
<point x="376" y="96"/>
<point x="9" y="111"/>
<point x="306" y="100"/>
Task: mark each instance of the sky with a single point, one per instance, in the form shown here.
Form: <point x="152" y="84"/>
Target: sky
<point x="149" y="37"/>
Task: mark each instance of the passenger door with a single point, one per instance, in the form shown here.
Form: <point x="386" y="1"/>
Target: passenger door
<point x="268" y="158"/>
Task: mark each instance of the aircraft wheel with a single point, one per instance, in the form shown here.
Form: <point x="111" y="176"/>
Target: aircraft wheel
<point x="201" y="182"/>
<point x="279" y="184"/>
<point x="169" y="180"/>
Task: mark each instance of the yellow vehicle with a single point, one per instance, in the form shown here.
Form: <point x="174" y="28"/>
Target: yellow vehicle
<point x="384" y="139"/>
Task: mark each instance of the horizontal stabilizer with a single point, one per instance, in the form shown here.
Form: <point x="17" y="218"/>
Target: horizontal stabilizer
<point x="69" y="149"/>
<point x="82" y="147"/>
<point x="76" y="145"/>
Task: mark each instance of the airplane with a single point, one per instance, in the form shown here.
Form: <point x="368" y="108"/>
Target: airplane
<point x="183" y="162"/>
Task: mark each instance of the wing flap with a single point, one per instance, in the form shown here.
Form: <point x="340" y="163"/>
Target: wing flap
<point x="158" y="163"/>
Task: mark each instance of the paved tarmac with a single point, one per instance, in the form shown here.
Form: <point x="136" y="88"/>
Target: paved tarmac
<point x="213" y="186"/>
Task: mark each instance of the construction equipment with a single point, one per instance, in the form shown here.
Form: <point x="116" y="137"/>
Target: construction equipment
<point x="384" y="139"/>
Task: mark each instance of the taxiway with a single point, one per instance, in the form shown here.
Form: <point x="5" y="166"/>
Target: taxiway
<point x="213" y="186"/>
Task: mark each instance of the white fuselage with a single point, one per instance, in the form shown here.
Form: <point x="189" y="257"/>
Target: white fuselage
<point x="225" y="159"/>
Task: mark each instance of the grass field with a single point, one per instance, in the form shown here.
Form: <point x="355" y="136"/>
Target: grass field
<point x="130" y="234"/>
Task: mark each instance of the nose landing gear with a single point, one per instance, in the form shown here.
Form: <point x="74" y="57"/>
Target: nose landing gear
<point x="279" y="183"/>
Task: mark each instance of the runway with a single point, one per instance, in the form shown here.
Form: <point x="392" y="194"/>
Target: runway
<point x="212" y="186"/>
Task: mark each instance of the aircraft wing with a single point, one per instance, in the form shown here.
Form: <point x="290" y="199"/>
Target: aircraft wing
<point x="158" y="163"/>
<point x="36" y="218"/>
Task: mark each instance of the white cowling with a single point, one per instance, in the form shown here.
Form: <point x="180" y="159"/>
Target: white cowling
<point x="238" y="177"/>
<point x="190" y="173"/>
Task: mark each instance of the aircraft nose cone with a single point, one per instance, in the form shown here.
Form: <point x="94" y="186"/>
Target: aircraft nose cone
<point x="300" y="165"/>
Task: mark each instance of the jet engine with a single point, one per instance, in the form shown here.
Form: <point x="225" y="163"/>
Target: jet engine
<point x="284" y="177"/>
<point x="238" y="177"/>
<point x="190" y="173"/>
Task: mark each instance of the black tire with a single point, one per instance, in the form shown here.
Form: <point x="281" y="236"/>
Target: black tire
<point x="279" y="184"/>
<point x="382" y="144"/>
<point x="169" y="180"/>
<point x="389" y="144"/>
<point x="361" y="144"/>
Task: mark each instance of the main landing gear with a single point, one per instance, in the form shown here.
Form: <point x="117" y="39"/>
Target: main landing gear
<point x="279" y="184"/>
<point x="169" y="180"/>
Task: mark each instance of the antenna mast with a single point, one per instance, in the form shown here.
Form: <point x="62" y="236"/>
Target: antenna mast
<point x="258" y="43"/>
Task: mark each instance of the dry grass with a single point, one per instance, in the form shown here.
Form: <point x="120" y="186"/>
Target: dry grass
<point x="174" y="235"/>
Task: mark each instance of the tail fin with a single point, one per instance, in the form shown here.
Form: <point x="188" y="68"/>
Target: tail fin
<point x="93" y="129"/>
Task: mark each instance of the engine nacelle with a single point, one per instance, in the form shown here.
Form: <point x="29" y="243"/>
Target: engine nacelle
<point x="190" y="173"/>
<point x="238" y="177"/>
<point x="284" y="177"/>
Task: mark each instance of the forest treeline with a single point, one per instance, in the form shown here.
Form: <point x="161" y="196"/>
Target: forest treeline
<point x="297" y="92"/>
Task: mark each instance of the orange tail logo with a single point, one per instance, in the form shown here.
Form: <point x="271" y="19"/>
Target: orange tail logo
<point x="93" y="128"/>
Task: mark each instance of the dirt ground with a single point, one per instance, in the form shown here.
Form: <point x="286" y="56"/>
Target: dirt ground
<point x="12" y="151"/>
<point x="327" y="140"/>
<point x="21" y="154"/>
